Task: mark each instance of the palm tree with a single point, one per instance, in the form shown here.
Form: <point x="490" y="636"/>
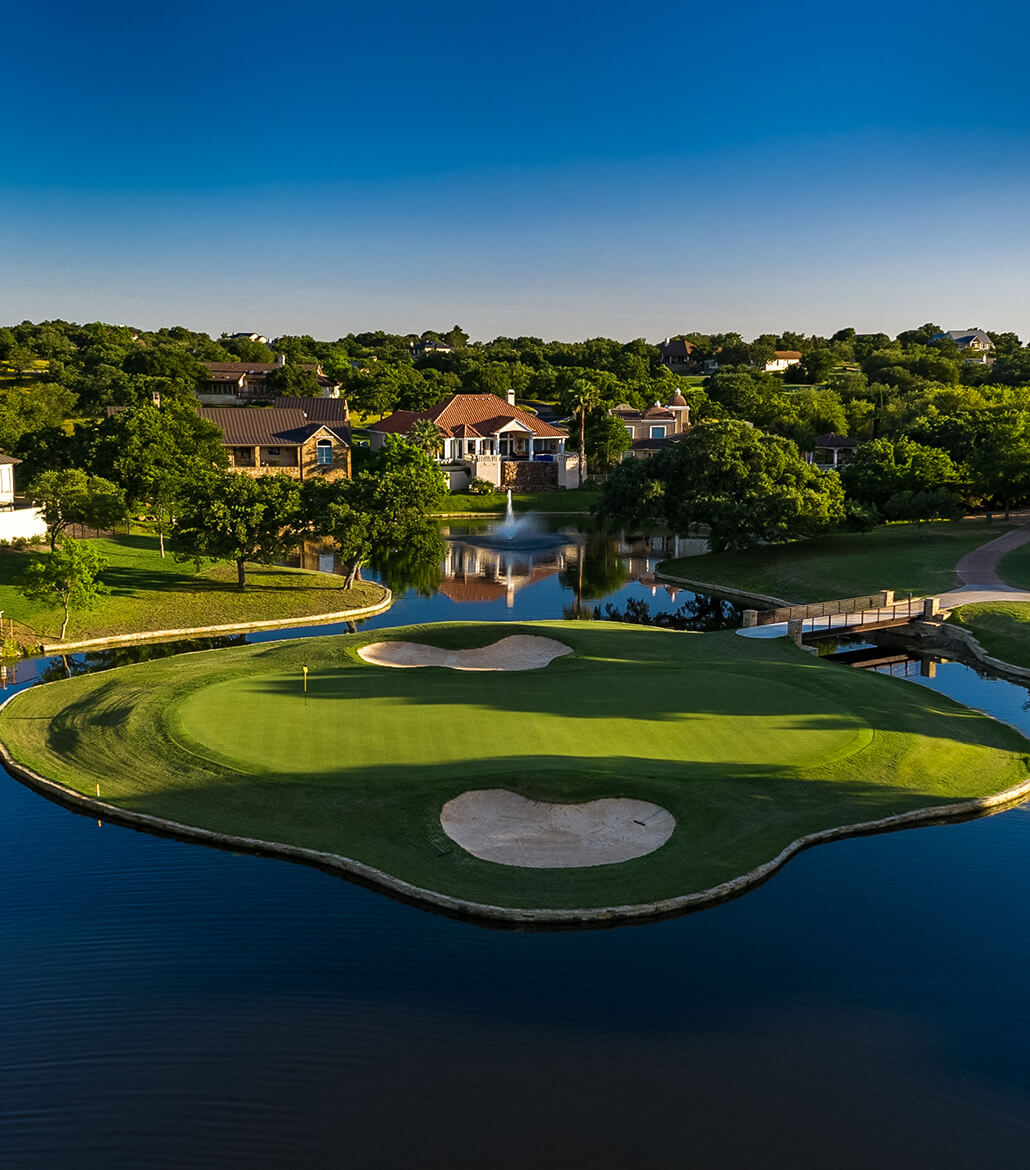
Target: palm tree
<point x="426" y="435"/>
<point x="583" y="396"/>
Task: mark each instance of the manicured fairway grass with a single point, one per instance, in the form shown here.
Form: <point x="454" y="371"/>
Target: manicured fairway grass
<point x="151" y="593"/>
<point x="920" y="558"/>
<point x="1001" y="627"/>
<point x="749" y="744"/>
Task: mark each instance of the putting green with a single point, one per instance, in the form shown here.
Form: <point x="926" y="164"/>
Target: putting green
<point x="355" y="726"/>
<point x="748" y="744"/>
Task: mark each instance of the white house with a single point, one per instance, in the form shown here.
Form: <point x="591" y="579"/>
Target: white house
<point x="782" y="360"/>
<point x="16" y="523"/>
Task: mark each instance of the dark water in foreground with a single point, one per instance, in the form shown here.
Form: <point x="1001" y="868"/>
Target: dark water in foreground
<point x="164" y="1005"/>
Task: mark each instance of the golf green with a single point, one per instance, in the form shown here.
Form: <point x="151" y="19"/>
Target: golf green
<point x="748" y="744"/>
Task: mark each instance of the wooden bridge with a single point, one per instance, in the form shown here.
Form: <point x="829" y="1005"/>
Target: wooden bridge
<point x="877" y="611"/>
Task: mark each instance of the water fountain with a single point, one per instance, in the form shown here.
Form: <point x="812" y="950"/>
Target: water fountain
<point x="517" y="534"/>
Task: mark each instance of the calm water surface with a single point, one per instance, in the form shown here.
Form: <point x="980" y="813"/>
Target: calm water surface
<point x="164" y="1005"/>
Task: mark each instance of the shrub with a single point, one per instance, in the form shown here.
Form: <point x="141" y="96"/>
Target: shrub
<point x="481" y="487"/>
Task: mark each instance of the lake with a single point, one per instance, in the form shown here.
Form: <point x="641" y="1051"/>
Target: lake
<point x="163" y="1004"/>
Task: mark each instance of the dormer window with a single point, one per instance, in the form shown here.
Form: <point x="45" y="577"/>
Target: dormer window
<point x="324" y="451"/>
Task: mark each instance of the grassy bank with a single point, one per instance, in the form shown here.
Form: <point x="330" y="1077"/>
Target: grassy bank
<point x="574" y="500"/>
<point x="748" y="743"/>
<point x="920" y="558"/>
<point x="1014" y="568"/>
<point x="1001" y="627"/>
<point x="148" y="593"/>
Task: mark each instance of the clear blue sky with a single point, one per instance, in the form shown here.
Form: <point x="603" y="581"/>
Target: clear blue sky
<point x="563" y="169"/>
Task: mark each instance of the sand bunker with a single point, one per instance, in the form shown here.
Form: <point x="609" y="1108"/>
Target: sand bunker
<point x="519" y="652"/>
<point x="496" y="825"/>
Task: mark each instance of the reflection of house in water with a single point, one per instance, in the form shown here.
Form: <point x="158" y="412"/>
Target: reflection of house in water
<point x="642" y="554"/>
<point x="471" y="573"/>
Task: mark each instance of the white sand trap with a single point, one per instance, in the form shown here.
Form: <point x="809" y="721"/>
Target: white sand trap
<point x="518" y="652"/>
<point x="497" y="825"/>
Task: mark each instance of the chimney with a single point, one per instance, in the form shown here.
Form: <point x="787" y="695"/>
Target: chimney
<point x="511" y="397"/>
<point x="280" y="360"/>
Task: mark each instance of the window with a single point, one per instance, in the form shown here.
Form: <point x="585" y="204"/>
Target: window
<point x="273" y="450"/>
<point x="658" y="432"/>
<point x="324" y="451"/>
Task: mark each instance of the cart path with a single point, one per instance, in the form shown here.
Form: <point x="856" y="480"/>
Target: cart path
<point x="978" y="570"/>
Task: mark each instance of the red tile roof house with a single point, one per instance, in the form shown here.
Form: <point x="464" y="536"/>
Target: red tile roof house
<point x="232" y="382"/>
<point x="654" y="428"/>
<point x="493" y="440"/>
<point x="282" y="441"/>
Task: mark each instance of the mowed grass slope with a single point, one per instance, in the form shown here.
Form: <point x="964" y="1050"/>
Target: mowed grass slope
<point x="749" y="744"/>
<point x="916" y="558"/>
<point x="1001" y="627"/>
<point x="148" y="592"/>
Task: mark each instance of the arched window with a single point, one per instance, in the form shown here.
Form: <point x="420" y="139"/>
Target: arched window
<point x="324" y="451"/>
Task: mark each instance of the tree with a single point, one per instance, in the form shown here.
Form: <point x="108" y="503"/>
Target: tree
<point x="155" y="452"/>
<point x="582" y="396"/>
<point x="426" y="435"/>
<point x="68" y="577"/>
<point x="606" y="439"/>
<point x="292" y="381"/>
<point x="885" y="467"/>
<point x="224" y="516"/>
<point x="744" y="485"/>
<point x="381" y="511"/>
<point x="73" y="497"/>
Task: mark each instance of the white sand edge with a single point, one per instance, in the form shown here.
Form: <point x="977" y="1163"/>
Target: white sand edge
<point x="517" y="652"/>
<point x="496" y="825"/>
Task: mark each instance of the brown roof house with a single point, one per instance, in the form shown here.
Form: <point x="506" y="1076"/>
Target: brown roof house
<point x="233" y="382"/>
<point x="486" y="437"/>
<point x="652" y="429"/>
<point x="782" y="360"/>
<point x="283" y="441"/>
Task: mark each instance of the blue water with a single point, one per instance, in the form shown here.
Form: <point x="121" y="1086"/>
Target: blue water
<point x="166" y="1005"/>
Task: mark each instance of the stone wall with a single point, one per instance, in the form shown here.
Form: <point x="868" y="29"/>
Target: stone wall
<point x="528" y="477"/>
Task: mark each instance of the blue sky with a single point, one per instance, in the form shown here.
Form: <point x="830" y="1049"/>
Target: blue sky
<point x="564" y="170"/>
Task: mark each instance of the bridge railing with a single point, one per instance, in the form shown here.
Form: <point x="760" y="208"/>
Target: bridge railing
<point x="818" y="609"/>
<point x="900" y="611"/>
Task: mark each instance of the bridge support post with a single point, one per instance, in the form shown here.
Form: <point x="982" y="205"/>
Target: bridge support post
<point x="750" y="618"/>
<point x="794" y="629"/>
<point x="930" y="606"/>
<point x="888" y="598"/>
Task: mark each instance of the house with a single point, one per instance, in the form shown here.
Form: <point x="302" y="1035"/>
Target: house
<point x="652" y="429"/>
<point x="425" y="348"/>
<point x="244" y="381"/>
<point x="676" y="353"/>
<point x="974" y="339"/>
<point x="328" y="410"/>
<point x="490" y="439"/>
<point x="973" y="342"/>
<point x="16" y="523"/>
<point x="260" y="338"/>
<point x="782" y="359"/>
<point x="283" y="441"/>
<point x="831" y="451"/>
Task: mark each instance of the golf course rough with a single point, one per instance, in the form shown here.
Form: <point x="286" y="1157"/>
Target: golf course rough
<point x="750" y="746"/>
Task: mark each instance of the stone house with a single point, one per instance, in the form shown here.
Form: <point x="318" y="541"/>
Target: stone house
<point x="284" y="441"/>
<point x="232" y="382"/>
<point x="486" y="437"/>
<point x="652" y="429"/>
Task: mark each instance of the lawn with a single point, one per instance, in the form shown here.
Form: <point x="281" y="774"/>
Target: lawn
<point x="920" y="558"/>
<point x="568" y="500"/>
<point x="1001" y="627"/>
<point x="1014" y="567"/>
<point x="151" y="593"/>
<point x="749" y="743"/>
